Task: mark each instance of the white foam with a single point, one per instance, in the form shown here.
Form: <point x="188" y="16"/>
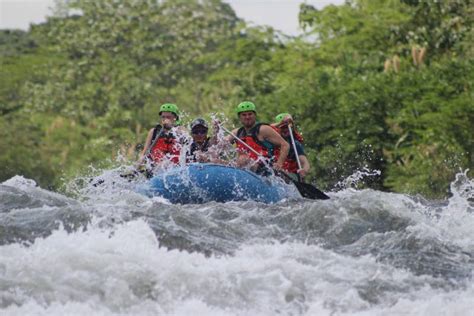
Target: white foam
<point x="20" y="182"/>
<point x="124" y="271"/>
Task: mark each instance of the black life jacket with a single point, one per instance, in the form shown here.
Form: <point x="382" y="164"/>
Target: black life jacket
<point x="195" y="147"/>
<point x="156" y="131"/>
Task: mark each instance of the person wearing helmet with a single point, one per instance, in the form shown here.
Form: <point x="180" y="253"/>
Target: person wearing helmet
<point x="261" y="137"/>
<point x="285" y="119"/>
<point x="162" y="143"/>
<point x="282" y="123"/>
<point x="200" y="143"/>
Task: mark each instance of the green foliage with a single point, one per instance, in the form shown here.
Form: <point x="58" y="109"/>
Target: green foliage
<point x="19" y="150"/>
<point x="416" y="119"/>
<point x="347" y="36"/>
<point x="433" y="129"/>
<point x="439" y="25"/>
<point x="382" y="84"/>
<point x="13" y="42"/>
<point x="19" y="58"/>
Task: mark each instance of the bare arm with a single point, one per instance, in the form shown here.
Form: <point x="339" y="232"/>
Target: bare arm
<point x="269" y="134"/>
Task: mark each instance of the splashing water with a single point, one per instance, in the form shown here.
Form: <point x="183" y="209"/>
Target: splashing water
<point x="112" y="251"/>
<point x="354" y="179"/>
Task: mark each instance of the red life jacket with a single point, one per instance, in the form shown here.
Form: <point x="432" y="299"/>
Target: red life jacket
<point x="252" y="140"/>
<point x="298" y="136"/>
<point x="165" y="146"/>
<point x="290" y="164"/>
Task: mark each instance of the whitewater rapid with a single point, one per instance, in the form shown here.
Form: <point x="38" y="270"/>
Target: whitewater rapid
<point x="111" y="251"/>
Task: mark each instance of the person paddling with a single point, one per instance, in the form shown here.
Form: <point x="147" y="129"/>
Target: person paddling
<point x="282" y="123"/>
<point x="261" y="137"/>
<point x="286" y="118"/>
<point x="163" y="144"/>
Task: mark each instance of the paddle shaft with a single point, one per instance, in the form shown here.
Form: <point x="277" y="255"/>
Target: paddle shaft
<point x="153" y="143"/>
<point x="245" y="144"/>
<point x="294" y="146"/>
<point x="241" y="141"/>
<point x="296" y="151"/>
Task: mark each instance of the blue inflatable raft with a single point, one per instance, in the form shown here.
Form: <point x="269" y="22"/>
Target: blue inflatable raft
<point x="201" y="183"/>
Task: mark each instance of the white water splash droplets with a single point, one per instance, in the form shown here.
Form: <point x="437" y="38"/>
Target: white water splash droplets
<point x="354" y="179"/>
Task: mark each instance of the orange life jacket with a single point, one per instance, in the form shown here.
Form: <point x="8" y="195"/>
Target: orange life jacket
<point x="298" y="136"/>
<point x="165" y="146"/>
<point x="251" y="139"/>
<point x="290" y="164"/>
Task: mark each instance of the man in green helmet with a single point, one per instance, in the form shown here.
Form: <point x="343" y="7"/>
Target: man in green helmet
<point x="298" y="165"/>
<point x="260" y="137"/>
<point x="164" y="141"/>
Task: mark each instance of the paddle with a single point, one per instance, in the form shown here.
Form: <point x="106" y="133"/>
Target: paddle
<point x="306" y="190"/>
<point x="296" y="151"/>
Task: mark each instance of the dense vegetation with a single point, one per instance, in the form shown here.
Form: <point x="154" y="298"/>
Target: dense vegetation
<point x="380" y="84"/>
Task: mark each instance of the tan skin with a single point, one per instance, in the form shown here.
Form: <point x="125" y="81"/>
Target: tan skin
<point x="199" y="137"/>
<point x="305" y="166"/>
<point x="248" y="120"/>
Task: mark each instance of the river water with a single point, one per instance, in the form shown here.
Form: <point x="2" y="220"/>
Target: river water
<point x="108" y="250"/>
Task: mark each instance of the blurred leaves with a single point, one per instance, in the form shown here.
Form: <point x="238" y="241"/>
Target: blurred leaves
<point x="379" y="84"/>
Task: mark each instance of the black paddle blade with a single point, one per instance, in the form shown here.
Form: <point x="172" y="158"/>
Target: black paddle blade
<point x="306" y="190"/>
<point x="310" y="191"/>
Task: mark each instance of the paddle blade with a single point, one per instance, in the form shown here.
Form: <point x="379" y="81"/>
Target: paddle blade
<point x="306" y="190"/>
<point x="310" y="191"/>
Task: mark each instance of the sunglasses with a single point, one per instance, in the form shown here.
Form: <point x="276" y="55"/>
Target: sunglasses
<point x="199" y="131"/>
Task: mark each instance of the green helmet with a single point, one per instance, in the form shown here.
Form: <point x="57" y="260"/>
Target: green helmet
<point x="169" y="107"/>
<point x="245" y="106"/>
<point x="280" y="117"/>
